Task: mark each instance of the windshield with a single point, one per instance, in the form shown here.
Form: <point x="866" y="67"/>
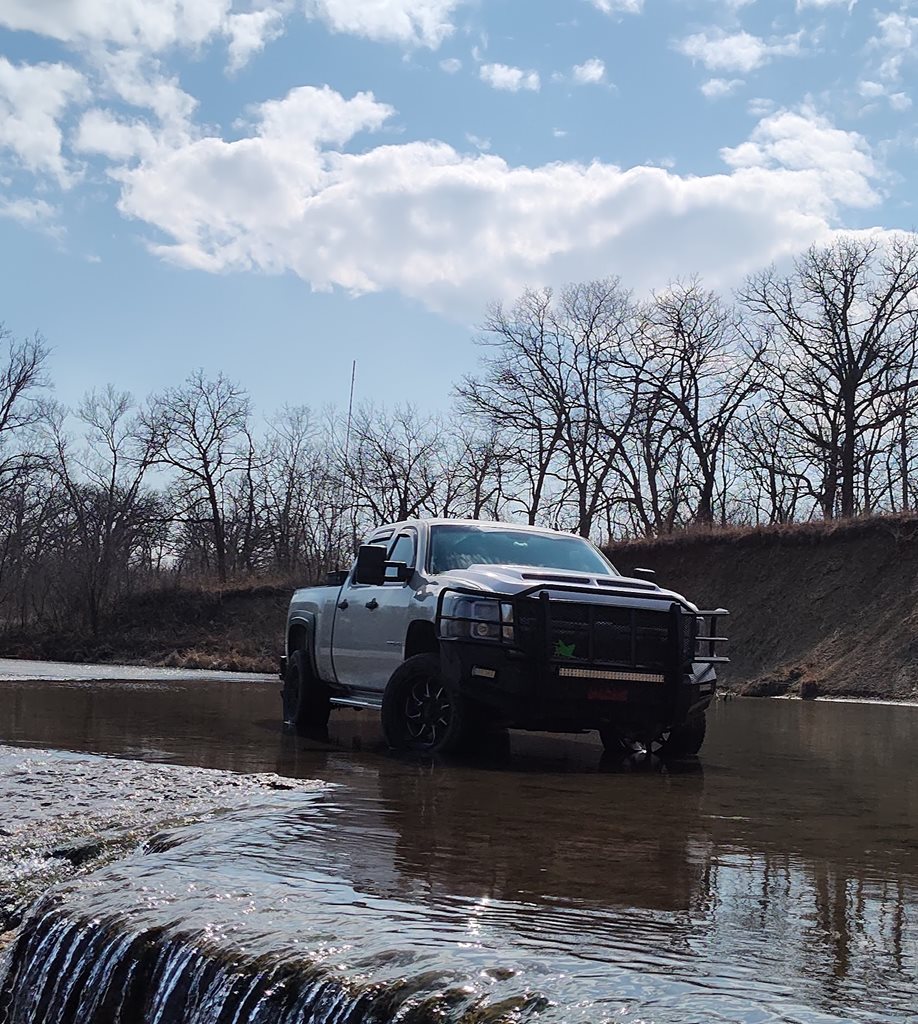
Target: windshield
<point x="458" y="547"/>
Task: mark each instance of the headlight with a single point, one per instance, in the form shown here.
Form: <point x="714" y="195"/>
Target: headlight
<point x="475" y="618"/>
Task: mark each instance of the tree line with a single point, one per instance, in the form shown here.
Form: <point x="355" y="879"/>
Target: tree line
<point x="591" y="411"/>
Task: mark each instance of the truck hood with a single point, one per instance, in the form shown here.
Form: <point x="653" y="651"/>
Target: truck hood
<point x="511" y="580"/>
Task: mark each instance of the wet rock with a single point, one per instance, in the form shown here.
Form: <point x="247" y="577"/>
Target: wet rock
<point x="809" y="689"/>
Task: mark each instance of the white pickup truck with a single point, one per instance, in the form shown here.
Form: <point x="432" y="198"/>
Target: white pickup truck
<point x="451" y="626"/>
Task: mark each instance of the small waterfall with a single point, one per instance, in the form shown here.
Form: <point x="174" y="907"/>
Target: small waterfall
<point x="62" y="969"/>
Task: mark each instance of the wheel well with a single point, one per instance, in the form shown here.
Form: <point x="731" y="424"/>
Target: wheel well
<point x="297" y="639"/>
<point x="421" y="639"/>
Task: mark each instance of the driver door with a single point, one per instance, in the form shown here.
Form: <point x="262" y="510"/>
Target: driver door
<point x="371" y="623"/>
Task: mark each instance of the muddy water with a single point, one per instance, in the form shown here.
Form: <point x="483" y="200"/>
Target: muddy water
<point x="777" y="880"/>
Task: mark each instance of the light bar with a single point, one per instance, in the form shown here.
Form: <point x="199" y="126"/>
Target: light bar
<point x="619" y="677"/>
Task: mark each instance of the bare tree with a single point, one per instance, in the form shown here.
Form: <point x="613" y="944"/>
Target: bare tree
<point x="703" y="365"/>
<point x="553" y="390"/>
<point x="392" y="466"/>
<point x="202" y="431"/>
<point x="304" y="495"/>
<point x="22" y="381"/>
<point x="842" y="341"/>
<point x="109" y="512"/>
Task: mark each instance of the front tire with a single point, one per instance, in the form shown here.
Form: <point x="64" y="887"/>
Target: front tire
<point x="681" y="741"/>
<point x="685" y="739"/>
<point x="421" y="712"/>
<point x="306" y="703"/>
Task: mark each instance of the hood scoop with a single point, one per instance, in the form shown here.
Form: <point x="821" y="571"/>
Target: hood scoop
<point x="618" y="582"/>
<point x="556" y="577"/>
<point x="621" y="581"/>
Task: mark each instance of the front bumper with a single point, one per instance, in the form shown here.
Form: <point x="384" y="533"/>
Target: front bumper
<point x="525" y="692"/>
<point x="571" y="660"/>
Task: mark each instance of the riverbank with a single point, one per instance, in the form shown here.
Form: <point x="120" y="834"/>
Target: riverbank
<point x="816" y="609"/>
<point x="235" y="628"/>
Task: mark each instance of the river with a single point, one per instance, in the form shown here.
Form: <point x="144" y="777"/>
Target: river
<point x="776" y="879"/>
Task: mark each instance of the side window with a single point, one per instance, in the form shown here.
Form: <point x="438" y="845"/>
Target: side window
<point x="402" y="551"/>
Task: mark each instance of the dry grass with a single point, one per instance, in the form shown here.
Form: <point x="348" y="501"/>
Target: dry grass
<point x="901" y="525"/>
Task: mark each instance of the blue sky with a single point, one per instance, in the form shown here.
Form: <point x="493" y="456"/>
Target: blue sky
<point x="273" y="188"/>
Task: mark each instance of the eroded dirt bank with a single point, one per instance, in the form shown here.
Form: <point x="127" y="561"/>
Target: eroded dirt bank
<point x="814" y="609"/>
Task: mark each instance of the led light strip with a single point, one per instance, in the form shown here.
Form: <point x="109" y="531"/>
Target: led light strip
<point x="619" y="677"/>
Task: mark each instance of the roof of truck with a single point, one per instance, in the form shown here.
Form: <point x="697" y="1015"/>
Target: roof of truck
<point x="489" y="523"/>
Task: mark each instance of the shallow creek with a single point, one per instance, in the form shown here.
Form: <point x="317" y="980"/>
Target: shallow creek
<point x="774" y="880"/>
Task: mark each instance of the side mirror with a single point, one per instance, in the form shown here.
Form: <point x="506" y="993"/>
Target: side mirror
<point x="371" y="564"/>
<point x="647" y="574"/>
<point x="398" y="572"/>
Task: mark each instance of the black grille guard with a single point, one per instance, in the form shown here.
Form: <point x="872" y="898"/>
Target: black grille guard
<point x="677" y="610"/>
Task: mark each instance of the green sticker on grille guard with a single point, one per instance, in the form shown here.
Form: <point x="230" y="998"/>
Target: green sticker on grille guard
<point x="563" y="650"/>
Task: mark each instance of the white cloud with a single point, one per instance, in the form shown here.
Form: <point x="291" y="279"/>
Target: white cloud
<point x="136" y="81"/>
<point x="250" y="31"/>
<point x="32" y="212"/>
<point x="822" y="4"/>
<point x="805" y="142"/>
<point x="154" y="26"/>
<point x="760" y="106"/>
<point x="502" y="76"/>
<point x="308" y="116"/>
<point x="619" y="6"/>
<point x="453" y="230"/>
<point x="102" y="133"/>
<point x="897" y="41"/>
<point x="718" y="88"/>
<point x="140" y="82"/>
<point x="897" y="31"/>
<point x="871" y="90"/>
<point x="33" y="99"/>
<point x="151" y="25"/>
<point x="414" y="22"/>
<point x="736" y="51"/>
<point x="451" y="65"/>
<point x="590" y="72"/>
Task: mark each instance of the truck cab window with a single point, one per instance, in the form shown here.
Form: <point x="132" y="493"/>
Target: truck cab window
<point x="402" y="551"/>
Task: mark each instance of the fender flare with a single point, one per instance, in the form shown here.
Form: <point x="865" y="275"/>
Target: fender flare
<point x="307" y="622"/>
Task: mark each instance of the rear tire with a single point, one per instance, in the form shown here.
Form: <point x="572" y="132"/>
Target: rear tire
<point x="421" y="712"/>
<point x="306" y="703"/>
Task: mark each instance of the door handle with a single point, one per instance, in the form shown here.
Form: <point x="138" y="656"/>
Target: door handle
<point x="372" y="604"/>
<point x="342" y="604"/>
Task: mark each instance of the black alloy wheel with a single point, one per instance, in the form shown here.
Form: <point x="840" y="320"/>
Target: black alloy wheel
<point x="421" y="712"/>
<point x="305" y="698"/>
